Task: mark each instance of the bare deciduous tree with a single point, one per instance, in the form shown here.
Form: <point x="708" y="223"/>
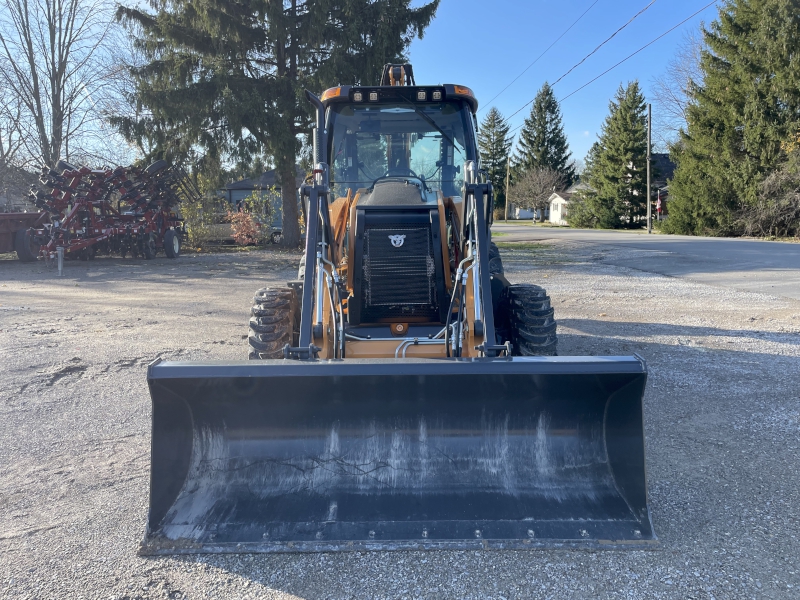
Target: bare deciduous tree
<point x="14" y="181"/>
<point x="671" y="89"/>
<point x="534" y="188"/>
<point x="10" y="127"/>
<point x="56" y="59"/>
<point x="776" y="212"/>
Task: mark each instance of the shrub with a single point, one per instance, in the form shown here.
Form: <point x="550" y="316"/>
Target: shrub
<point x="198" y="216"/>
<point x="246" y="230"/>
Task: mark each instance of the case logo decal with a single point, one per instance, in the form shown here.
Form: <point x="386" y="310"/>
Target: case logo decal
<point x="397" y="240"/>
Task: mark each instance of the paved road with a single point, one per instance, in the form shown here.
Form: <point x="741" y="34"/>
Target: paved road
<point x="750" y="265"/>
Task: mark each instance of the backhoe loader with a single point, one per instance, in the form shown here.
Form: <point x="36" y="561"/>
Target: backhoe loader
<point x="400" y="393"/>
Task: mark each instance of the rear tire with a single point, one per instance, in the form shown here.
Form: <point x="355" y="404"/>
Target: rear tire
<point x="495" y="261"/>
<point x="149" y="247"/>
<point x="273" y="322"/>
<point x="172" y="244"/>
<point x="23" y="244"/>
<point x="531" y="321"/>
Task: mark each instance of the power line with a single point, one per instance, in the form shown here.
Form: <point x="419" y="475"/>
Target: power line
<point x="583" y="60"/>
<point x="639" y="50"/>
<point x="650" y="43"/>
<point x="540" y="56"/>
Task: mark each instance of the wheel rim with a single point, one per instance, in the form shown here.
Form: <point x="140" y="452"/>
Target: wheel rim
<point x="176" y="244"/>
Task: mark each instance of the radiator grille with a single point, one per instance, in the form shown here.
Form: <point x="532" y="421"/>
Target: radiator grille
<point x="399" y="281"/>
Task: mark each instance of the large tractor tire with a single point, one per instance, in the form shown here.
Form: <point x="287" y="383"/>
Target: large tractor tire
<point x="274" y="322"/>
<point x="495" y="261"/>
<point x="531" y="321"/>
<point x="27" y="250"/>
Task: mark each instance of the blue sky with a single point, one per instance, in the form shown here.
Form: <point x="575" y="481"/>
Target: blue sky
<point x="485" y="45"/>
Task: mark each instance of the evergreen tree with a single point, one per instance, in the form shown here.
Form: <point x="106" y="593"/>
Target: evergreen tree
<point x="580" y="212"/>
<point x="542" y="141"/>
<point x="494" y="145"/>
<point x="228" y="76"/>
<point x="746" y="106"/>
<point x="617" y="164"/>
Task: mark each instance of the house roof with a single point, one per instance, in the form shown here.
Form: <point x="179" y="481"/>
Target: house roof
<point x="577" y="187"/>
<point x="566" y="196"/>
<point x="267" y="179"/>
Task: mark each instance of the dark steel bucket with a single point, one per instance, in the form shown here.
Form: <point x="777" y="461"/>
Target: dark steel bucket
<point x="291" y="456"/>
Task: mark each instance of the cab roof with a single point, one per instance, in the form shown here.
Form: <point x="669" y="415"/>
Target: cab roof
<point x="378" y="94"/>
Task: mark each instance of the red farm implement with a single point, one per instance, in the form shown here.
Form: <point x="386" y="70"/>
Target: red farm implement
<point x="126" y="210"/>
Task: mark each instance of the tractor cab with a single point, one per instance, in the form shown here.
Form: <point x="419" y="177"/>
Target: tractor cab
<point x="397" y="156"/>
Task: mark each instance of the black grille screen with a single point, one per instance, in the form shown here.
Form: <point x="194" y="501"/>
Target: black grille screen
<point x="399" y="272"/>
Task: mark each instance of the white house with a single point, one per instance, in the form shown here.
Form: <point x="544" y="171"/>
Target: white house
<point x="525" y="213"/>
<point x="559" y="203"/>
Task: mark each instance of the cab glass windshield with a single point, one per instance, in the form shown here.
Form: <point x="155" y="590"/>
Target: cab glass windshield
<point x="429" y="141"/>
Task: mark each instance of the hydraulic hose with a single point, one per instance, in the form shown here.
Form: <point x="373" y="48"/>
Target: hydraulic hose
<point x="456" y="287"/>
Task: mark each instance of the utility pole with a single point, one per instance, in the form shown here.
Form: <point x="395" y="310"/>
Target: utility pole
<point x="649" y="198"/>
<point x="508" y="169"/>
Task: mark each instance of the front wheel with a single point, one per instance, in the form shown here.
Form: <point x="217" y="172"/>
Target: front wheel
<point x="531" y="321"/>
<point x="172" y="244"/>
<point x="274" y="322"/>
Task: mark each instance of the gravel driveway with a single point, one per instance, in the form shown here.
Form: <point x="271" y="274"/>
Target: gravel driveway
<point x="722" y="417"/>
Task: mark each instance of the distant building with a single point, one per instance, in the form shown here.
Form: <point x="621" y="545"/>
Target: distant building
<point x="662" y="170"/>
<point x="15" y="184"/>
<point x="559" y="203"/>
<point x="526" y="213"/>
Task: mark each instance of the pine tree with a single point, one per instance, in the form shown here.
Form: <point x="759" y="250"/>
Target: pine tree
<point x="617" y="165"/>
<point x="542" y="141"/>
<point x="228" y="76"/>
<point x="745" y="108"/>
<point x="494" y="145"/>
<point x="580" y="212"/>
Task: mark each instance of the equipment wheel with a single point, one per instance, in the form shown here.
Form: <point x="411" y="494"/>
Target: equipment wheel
<point x="495" y="261"/>
<point x="149" y="247"/>
<point x="274" y="322"/>
<point x="26" y="249"/>
<point x="172" y="244"/>
<point x="531" y="321"/>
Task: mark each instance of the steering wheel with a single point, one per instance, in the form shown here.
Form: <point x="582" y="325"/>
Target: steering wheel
<point x="392" y="173"/>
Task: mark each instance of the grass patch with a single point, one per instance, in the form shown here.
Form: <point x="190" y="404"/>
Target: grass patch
<point x="498" y="234"/>
<point x="528" y="223"/>
<point x="522" y="246"/>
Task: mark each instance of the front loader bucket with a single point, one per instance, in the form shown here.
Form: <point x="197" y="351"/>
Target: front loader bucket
<point x="397" y="454"/>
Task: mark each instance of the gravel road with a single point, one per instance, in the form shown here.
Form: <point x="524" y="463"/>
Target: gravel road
<point x="722" y="418"/>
